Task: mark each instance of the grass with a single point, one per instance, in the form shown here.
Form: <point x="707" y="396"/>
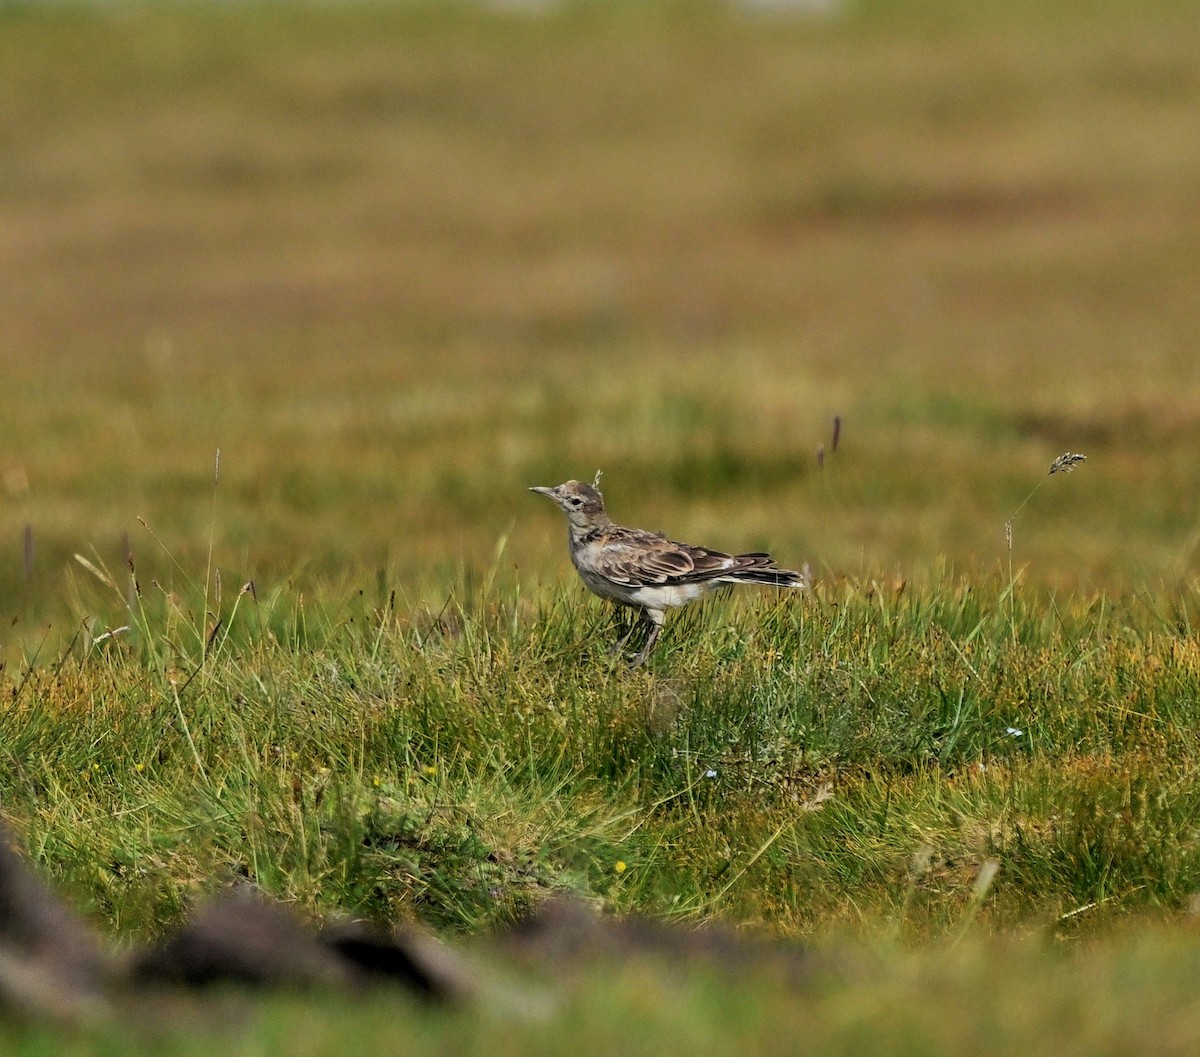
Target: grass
<point x="398" y="262"/>
<point x="1023" y="998"/>
<point x="309" y="240"/>
<point x="783" y="763"/>
<point x="889" y="775"/>
<point x="664" y="1012"/>
<point x="850" y="761"/>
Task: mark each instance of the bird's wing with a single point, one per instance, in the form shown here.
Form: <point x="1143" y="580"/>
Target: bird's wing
<point x="641" y="559"/>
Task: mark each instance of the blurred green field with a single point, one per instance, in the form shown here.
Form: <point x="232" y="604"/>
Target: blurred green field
<point x="1136" y="995"/>
<point x="396" y="263"/>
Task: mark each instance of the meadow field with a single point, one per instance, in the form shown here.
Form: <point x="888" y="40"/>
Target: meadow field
<point x="299" y="299"/>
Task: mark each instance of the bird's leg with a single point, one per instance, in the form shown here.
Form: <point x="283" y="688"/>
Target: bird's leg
<point x="618" y="623"/>
<point x="652" y="633"/>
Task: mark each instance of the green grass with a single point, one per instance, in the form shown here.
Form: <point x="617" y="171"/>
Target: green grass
<point x="998" y="998"/>
<point x="396" y="263"/>
<point x="847" y="760"/>
<point x="843" y="769"/>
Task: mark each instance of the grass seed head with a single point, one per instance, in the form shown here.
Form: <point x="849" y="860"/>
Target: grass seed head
<point x="1066" y="462"/>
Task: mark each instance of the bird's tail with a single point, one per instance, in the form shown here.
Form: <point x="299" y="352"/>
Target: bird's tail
<point x="761" y="569"/>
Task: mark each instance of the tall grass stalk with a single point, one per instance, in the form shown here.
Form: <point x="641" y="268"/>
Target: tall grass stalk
<point x="1065" y="463"/>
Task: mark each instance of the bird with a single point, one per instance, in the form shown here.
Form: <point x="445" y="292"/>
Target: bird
<point x="646" y="571"/>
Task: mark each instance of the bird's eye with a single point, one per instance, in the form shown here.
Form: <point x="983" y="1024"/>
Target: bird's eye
<point x="574" y="500"/>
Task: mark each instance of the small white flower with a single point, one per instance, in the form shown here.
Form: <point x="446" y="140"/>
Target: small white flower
<point x="1014" y="732"/>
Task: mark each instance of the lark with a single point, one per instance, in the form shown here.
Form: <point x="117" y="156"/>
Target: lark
<point x="647" y="572"/>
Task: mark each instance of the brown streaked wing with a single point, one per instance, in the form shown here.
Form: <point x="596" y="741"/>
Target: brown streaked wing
<point x="656" y="560"/>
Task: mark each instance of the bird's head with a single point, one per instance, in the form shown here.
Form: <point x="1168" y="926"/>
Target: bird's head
<point x="582" y="503"/>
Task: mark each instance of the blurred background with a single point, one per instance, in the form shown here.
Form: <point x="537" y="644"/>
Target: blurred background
<point x="399" y="261"/>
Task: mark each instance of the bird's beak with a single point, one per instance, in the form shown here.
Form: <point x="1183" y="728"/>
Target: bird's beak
<point x="544" y="490"/>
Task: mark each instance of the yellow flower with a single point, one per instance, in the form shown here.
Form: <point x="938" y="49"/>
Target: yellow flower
<point x="620" y="866"/>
